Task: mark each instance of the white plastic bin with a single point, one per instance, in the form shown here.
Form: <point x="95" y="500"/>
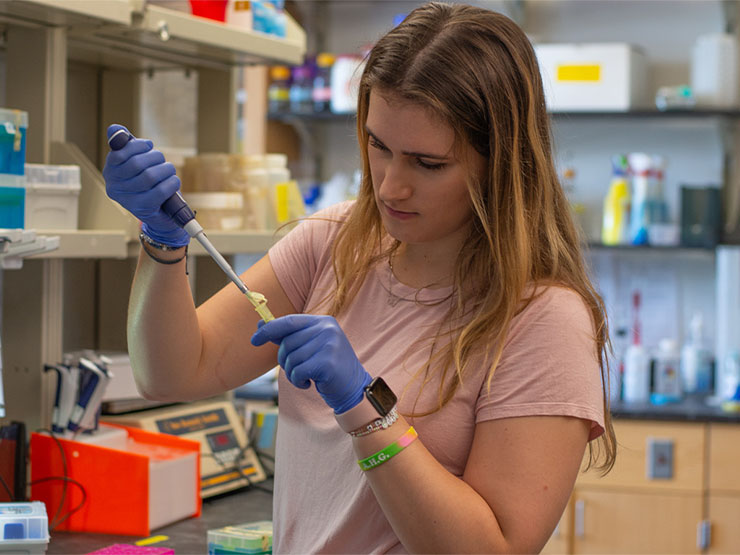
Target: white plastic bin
<point x="23" y="528"/>
<point x="52" y="196"/>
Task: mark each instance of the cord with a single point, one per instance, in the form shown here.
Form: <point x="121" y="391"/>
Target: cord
<point x="53" y="523"/>
<point x="6" y="488"/>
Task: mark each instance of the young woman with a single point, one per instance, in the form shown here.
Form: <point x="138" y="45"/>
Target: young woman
<point x="440" y="330"/>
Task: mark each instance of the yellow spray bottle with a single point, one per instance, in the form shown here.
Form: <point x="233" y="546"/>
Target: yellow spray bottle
<point x="615" y="226"/>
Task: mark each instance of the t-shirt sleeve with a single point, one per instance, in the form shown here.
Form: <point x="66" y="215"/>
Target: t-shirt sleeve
<point x="549" y="365"/>
<point x="297" y="257"/>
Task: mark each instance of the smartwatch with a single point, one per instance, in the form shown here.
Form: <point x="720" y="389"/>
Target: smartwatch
<point x="377" y="402"/>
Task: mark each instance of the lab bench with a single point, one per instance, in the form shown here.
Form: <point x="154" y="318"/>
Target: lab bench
<point x="187" y="536"/>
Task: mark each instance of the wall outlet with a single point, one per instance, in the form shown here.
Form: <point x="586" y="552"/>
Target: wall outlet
<point x="659" y="459"/>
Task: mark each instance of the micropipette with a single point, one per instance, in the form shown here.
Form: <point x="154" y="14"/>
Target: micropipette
<point x="178" y="210"/>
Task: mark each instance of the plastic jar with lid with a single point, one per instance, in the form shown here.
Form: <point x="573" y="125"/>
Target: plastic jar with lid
<point x="322" y="83"/>
<point x="218" y="210"/>
<point x="214" y="172"/>
<point x="259" y="211"/>
<point x="278" y="91"/>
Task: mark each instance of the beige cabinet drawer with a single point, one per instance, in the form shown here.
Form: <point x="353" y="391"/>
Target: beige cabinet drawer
<point x="634" y="440"/>
<point x="724" y="457"/>
<point x="610" y="521"/>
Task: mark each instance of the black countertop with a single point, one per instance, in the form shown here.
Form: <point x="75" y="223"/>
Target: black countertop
<point x="690" y="409"/>
<point x="186" y="537"/>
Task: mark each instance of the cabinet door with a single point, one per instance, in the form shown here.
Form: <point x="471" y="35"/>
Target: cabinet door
<point x="559" y="542"/>
<point x="635" y="438"/>
<point x="724" y="454"/>
<point x="609" y="521"/>
<point x="724" y="515"/>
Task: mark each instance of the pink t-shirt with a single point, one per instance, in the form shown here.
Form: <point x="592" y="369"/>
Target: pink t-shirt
<point x="322" y="501"/>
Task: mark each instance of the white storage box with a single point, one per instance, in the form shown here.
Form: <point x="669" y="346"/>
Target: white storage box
<point x="52" y="196"/>
<point x="610" y="77"/>
<point x="23" y="528"/>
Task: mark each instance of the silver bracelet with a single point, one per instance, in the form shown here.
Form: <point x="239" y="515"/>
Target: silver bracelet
<point x="375" y="425"/>
<point x="144" y="238"/>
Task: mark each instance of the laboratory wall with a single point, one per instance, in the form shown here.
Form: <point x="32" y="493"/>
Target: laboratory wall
<point x="673" y="285"/>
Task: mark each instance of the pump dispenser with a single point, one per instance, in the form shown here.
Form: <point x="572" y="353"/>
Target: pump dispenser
<point x="696" y="359"/>
<point x="636" y="384"/>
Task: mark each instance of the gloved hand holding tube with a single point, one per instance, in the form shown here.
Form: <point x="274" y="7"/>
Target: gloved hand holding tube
<point x="140" y="179"/>
<point x="314" y="348"/>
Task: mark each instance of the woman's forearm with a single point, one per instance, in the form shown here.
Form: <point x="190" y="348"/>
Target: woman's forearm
<point x="164" y="338"/>
<point x="430" y="509"/>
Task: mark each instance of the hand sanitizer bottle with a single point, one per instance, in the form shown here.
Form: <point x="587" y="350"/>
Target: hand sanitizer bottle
<point x="696" y="360"/>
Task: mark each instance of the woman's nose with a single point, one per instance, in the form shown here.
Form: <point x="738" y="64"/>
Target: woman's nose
<point x="395" y="184"/>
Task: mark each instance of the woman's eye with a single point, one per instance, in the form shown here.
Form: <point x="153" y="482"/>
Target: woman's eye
<point x="375" y="144"/>
<point x="426" y="166"/>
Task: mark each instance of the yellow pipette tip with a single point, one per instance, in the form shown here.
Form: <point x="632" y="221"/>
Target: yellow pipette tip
<point x="260" y="305"/>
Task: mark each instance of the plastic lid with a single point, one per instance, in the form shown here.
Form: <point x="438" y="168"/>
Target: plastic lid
<point x="280" y="73"/>
<point x="325" y="59"/>
<point x="17" y="117"/>
<point x="50" y="174"/>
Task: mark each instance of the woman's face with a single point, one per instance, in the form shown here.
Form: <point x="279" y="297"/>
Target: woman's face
<point x="418" y="182"/>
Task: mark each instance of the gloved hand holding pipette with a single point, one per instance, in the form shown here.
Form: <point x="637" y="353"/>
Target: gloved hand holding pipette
<point x="138" y="177"/>
<point x="314" y="348"/>
<point x="140" y="180"/>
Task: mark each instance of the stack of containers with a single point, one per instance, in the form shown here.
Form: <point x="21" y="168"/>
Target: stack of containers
<point x="13" y="126"/>
<point x="52" y="195"/>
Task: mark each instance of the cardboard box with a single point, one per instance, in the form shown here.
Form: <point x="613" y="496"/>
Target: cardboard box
<point x="134" y="481"/>
<point x="609" y="77"/>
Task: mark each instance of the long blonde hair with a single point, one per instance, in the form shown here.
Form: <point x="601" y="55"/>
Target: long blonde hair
<point x="476" y="70"/>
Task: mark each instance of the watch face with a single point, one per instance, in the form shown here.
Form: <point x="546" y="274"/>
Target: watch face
<point x="381" y="396"/>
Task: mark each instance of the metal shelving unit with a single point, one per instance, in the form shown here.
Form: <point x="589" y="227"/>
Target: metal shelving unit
<point x="124" y="39"/>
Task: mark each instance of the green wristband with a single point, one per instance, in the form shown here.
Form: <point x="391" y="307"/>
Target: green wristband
<point x="384" y="455"/>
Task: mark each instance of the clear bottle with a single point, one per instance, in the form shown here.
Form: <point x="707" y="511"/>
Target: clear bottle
<point x="278" y="91"/>
<point x="616" y="364"/>
<point x="696" y="360"/>
<point x="636" y="378"/>
<point x="301" y="90"/>
<point x="640" y="164"/>
<point x="667" y="386"/>
<point x="321" y="93"/>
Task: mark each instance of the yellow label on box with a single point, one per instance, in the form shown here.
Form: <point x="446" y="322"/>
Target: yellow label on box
<point x="580" y="72"/>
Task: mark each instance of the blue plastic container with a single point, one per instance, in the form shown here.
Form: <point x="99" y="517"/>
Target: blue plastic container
<point x="13" y="126"/>
<point x="12" y="201"/>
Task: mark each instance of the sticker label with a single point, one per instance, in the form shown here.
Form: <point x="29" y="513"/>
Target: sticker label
<point x="579" y="72"/>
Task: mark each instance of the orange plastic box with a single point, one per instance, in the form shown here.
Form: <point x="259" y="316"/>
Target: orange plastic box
<point x="132" y="488"/>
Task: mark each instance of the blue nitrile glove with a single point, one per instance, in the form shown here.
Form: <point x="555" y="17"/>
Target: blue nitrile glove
<point x="138" y="178"/>
<point x="315" y="348"/>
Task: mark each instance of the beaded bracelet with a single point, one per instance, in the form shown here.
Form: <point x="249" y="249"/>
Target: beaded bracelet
<point x="144" y="239"/>
<point x="379" y="424"/>
<point x="384" y="455"/>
